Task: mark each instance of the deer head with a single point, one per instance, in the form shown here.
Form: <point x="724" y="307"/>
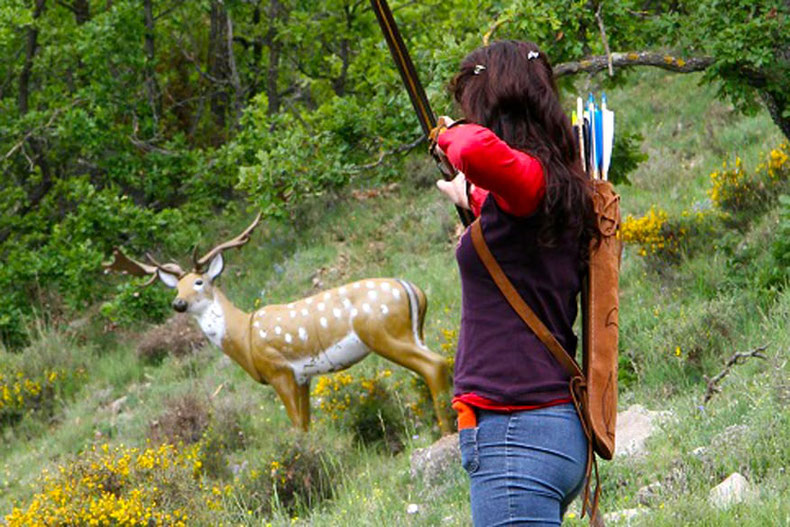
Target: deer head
<point x="194" y="289"/>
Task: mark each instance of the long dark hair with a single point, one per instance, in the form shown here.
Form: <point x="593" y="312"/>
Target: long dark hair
<point x="509" y="88"/>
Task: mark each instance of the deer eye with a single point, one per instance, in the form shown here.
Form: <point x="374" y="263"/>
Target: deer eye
<point x="198" y="283"/>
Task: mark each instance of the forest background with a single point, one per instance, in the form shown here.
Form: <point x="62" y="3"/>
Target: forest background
<point x="159" y="126"/>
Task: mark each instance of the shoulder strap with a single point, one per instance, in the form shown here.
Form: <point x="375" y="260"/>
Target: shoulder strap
<point x="519" y="305"/>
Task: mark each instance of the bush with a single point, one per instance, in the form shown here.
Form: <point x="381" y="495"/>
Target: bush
<point x="36" y="381"/>
<point x="300" y="475"/>
<point x="736" y="191"/>
<point x="120" y="486"/>
<point x="184" y="420"/>
<point x="178" y="336"/>
<point x="364" y="406"/>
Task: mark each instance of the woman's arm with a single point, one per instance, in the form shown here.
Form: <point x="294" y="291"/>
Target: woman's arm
<point x="515" y="178"/>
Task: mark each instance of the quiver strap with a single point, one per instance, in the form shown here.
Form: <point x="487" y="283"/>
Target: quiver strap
<point x="578" y="383"/>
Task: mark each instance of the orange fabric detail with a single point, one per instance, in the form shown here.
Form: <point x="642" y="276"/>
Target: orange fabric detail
<point x="472" y="399"/>
<point x="466" y="415"/>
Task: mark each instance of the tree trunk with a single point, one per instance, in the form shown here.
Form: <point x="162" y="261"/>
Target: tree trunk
<point x="31" y="46"/>
<point x="274" y="13"/>
<point x="82" y="11"/>
<point x="218" y="66"/>
<point x="257" y="52"/>
<point x="151" y="84"/>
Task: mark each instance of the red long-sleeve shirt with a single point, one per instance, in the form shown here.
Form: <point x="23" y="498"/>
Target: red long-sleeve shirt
<point x="515" y="178"/>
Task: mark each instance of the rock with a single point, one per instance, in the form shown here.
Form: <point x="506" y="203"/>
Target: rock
<point x="433" y="461"/>
<point x="649" y="494"/>
<point x="732" y="490"/>
<point x="634" y="426"/>
<point x="729" y="436"/>
<point x="117" y="405"/>
<point x="624" y="516"/>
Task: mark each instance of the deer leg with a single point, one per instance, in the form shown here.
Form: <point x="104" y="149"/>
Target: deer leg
<point x="430" y="366"/>
<point x="295" y="397"/>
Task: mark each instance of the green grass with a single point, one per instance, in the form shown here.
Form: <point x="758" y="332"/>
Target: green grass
<point x="709" y="304"/>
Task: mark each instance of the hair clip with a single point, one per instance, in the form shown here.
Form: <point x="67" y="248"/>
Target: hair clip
<point x="532" y="55"/>
<point x="479" y="68"/>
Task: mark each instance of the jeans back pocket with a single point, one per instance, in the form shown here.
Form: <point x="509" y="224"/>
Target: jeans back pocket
<point x="470" y="458"/>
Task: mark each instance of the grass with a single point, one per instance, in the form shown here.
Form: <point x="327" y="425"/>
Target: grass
<point x="679" y="323"/>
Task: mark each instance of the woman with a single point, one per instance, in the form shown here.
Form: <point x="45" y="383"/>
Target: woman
<point x="521" y="440"/>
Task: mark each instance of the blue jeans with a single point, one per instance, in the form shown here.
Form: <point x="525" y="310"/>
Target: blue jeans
<point x="525" y="467"/>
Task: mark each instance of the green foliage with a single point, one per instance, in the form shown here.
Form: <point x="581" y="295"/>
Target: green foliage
<point x="626" y="156"/>
<point x="781" y="245"/>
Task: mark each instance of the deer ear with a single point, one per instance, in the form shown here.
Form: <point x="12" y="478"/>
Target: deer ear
<point x="170" y="280"/>
<point x="215" y="267"/>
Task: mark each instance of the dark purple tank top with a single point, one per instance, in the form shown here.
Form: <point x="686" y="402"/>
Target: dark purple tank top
<point x="498" y="356"/>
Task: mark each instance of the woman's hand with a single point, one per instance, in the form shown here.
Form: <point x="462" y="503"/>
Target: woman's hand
<point x="455" y="190"/>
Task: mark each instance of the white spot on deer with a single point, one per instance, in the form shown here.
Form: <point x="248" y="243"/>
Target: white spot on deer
<point x="384" y="309"/>
<point x="372" y="295"/>
<point x="262" y="334"/>
<point x="288" y="338"/>
<point x="385" y="286"/>
<point x="256" y="324"/>
<point x="369" y="284"/>
<point x="293" y="314"/>
<point x="302" y="333"/>
<point x="356" y="286"/>
<point x="342" y="290"/>
<point x="396" y="293"/>
<point x="324" y="323"/>
<point x="366" y="308"/>
<point x="340" y="355"/>
<point x="321" y="306"/>
<point x="326" y="296"/>
<point x="278" y="330"/>
<point x="336" y="312"/>
<point x="305" y="312"/>
<point x="290" y="306"/>
<point x="279" y="319"/>
<point x="354" y="312"/>
<point x="346" y="303"/>
<point x="309" y="301"/>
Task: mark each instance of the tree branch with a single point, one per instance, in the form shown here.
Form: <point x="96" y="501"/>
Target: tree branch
<point x="383" y="154"/>
<point x="634" y="58"/>
<point x="737" y="358"/>
<point x="604" y="39"/>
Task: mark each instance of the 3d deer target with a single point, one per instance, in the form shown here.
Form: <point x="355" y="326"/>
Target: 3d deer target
<point x="286" y="345"/>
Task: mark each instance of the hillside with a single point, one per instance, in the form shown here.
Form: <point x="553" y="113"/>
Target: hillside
<point x="714" y="287"/>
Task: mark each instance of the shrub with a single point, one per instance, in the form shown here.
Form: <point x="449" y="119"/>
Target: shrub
<point x="363" y="405"/>
<point x="179" y="336"/>
<point x="736" y="191"/>
<point x="301" y="474"/>
<point x="652" y="232"/>
<point x="119" y="486"/>
<point x="38" y="379"/>
<point x="781" y="245"/>
<point x="184" y="420"/>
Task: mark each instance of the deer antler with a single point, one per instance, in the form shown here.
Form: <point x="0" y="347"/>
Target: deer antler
<point x="170" y="267"/>
<point x="238" y="241"/>
<point x="125" y="265"/>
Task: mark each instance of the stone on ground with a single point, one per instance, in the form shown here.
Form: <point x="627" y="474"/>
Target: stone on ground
<point x="732" y="490"/>
<point x="634" y="426"/>
<point x="432" y="462"/>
